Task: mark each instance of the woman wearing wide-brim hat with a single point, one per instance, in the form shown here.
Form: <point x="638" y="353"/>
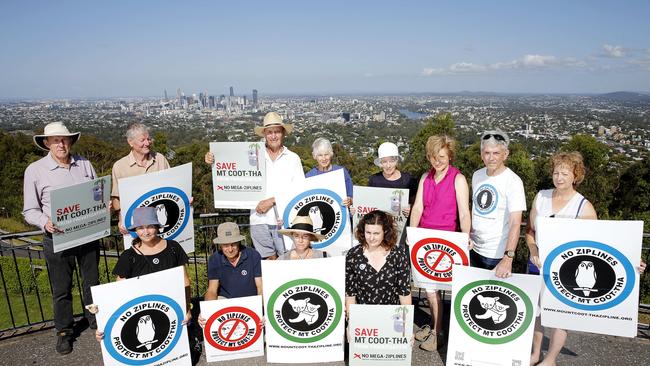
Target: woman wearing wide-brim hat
<point x="302" y="233"/>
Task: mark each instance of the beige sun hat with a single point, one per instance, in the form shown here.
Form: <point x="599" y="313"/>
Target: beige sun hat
<point x="272" y="119"/>
<point x="55" y="129"/>
<point x="302" y="224"/>
<point x="228" y="233"/>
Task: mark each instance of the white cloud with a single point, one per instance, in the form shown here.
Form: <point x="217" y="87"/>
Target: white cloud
<point x="523" y="63"/>
<point x="614" y="51"/>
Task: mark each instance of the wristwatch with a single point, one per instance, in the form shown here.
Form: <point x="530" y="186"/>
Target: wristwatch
<point x="509" y="253"/>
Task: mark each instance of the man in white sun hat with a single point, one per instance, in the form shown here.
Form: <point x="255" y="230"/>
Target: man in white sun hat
<point x="59" y="168"/>
<point x="283" y="171"/>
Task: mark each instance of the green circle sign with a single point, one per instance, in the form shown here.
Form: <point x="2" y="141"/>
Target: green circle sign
<point x="506" y="319"/>
<point x="305" y="310"/>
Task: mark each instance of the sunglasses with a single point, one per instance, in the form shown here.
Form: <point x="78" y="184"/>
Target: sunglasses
<point x="496" y="137"/>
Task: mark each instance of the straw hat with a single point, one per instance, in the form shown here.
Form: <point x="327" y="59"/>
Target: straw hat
<point x="55" y="129"/>
<point x="270" y="120"/>
<point x="228" y="233"/>
<point x="143" y="216"/>
<point x="302" y="224"/>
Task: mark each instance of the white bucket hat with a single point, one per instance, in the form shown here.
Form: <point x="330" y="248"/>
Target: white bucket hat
<point x="55" y="129"/>
<point x="272" y="119"/>
<point x="386" y="150"/>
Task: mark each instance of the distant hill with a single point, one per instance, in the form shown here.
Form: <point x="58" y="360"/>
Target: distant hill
<point x="623" y="96"/>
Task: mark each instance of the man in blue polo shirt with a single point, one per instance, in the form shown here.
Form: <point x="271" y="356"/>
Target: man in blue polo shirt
<point x="234" y="270"/>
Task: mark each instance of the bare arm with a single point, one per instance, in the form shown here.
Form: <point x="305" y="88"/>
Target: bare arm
<point x="588" y="212"/>
<point x="418" y="205"/>
<point x="462" y="202"/>
<point x="504" y="268"/>
<point x="211" y="292"/>
<point x="530" y="236"/>
<point x="258" y="284"/>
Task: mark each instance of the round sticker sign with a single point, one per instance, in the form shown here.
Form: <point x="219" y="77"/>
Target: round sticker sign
<point x="144" y="329"/>
<point x="305" y="310"/>
<point x="172" y="210"/>
<point x="434" y="257"/>
<point x="486" y="199"/>
<point x="326" y="211"/>
<point x="232" y="329"/>
<point x="493" y="312"/>
<point x="588" y="275"/>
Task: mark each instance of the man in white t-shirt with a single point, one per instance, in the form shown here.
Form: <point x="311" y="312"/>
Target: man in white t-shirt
<point x="283" y="171"/>
<point x="498" y="201"/>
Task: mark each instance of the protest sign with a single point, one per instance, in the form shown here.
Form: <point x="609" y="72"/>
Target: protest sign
<point x="142" y="319"/>
<point x="238" y="174"/>
<point x="169" y="191"/>
<point x="81" y="211"/>
<point x="433" y="253"/>
<point x="389" y="200"/>
<point x="232" y="329"/>
<point x="305" y="302"/>
<point x="380" y="334"/>
<point x="492" y="319"/>
<point x="590" y="279"/>
<point x="321" y="198"/>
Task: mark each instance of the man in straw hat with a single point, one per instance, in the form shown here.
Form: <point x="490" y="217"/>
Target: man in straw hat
<point x="59" y="168"/>
<point x="234" y="270"/>
<point x="140" y="160"/>
<point x="283" y="170"/>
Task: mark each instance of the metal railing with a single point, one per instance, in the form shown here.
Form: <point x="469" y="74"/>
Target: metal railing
<point x="26" y="301"/>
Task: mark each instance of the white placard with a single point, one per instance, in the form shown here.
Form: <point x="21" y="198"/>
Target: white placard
<point x="433" y="254"/>
<point x="238" y="174"/>
<point x="380" y="334"/>
<point x="591" y="283"/>
<point x="232" y="329"/>
<point x="304" y="309"/>
<point x="169" y="191"/>
<point x="321" y="198"/>
<point x="492" y="319"/>
<point x="390" y="200"/>
<point x="142" y="320"/>
<point x="81" y="212"/>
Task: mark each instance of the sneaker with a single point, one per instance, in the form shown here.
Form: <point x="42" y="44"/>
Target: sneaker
<point x="423" y="333"/>
<point x="64" y="342"/>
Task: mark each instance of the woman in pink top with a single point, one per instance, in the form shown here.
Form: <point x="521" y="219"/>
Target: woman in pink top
<point x="442" y="203"/>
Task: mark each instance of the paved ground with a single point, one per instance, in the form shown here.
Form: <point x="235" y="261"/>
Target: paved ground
<point x="581" y="349"/>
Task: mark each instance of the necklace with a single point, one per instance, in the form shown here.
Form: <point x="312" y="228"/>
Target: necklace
<point x="304" y="256"/>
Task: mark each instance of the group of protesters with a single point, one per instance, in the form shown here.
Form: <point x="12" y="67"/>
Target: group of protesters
<point x="377" y="270"/>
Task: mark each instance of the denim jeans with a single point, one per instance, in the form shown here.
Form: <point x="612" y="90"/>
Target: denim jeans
<point x="479" y="261"/>
<point x="61" y="271"/>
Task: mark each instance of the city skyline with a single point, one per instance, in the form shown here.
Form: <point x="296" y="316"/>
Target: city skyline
<point x="78" y="49"/>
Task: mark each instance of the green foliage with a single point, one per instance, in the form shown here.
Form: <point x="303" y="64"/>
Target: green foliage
<point x="600" y="180"/>
<point x="416" y="162"/>
<point x="631" y="199"/>
<point x="201" y="174"/>
<point x="520" y="163"/>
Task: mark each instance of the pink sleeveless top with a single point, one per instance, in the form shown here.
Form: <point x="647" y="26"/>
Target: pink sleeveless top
<point x="440" y="209"/>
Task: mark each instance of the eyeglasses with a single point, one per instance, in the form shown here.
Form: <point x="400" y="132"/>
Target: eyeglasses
<point x="496" y="137"/>
<point x="385" y="161"/>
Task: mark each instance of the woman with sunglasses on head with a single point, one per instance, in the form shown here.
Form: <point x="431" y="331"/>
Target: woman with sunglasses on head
<point x="150" y="253"/>
<point x="302" y="234"/>
<point x="441" y="203"/>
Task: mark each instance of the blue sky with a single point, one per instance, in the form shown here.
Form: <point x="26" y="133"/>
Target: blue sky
<point x="139" y="48"/>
